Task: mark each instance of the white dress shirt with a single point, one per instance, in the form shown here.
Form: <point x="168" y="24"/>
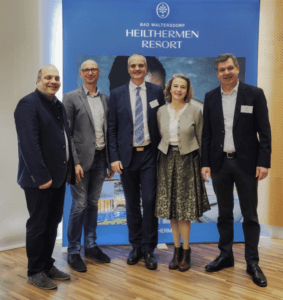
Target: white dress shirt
<point x="98" y="117"/>
<point x="133" y="92"/>
<point x="229" y="104"/>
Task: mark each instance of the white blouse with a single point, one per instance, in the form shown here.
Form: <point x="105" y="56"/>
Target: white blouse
<point x="173" y="127"/>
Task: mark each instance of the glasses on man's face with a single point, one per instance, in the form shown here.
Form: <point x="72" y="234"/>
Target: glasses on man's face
<point x="93" y="70"/>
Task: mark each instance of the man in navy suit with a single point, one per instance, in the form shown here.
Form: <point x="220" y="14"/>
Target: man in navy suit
<point x="133" y="139"/>
<point x="45" y="161"/>
<point x="236" y="149"/>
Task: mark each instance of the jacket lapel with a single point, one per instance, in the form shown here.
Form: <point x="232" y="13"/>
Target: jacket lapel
<point x="218" y="105"/>
<point x="83" y="97"/>
<point x="128" y="100"/>
<point x="148" y="98"/>
<point x="105" y="108"/>
<point x="239" y="101"/>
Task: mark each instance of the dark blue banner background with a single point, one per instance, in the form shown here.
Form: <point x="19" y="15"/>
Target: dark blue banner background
<point x="193" y="28"/>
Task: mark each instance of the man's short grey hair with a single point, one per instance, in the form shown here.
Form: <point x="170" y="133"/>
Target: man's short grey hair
<point x="136" y="55"/>
<point x="224" y="57"/>
<point x="39" y="74"/>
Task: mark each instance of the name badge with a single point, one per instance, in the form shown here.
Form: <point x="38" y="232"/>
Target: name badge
<point x="247" y="109"/>
<point x="153" y="103"/>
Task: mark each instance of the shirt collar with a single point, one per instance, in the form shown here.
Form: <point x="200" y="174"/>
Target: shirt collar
<point x="54" y="99"/>
<point x="87" y="92"/>
<point x="235" y="89"/>
<point x="134" y="86"/>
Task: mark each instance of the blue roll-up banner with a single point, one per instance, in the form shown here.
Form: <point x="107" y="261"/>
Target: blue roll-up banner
<point x="176" y="36"/>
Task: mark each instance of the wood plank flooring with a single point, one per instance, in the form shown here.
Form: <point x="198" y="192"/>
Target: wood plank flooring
<point x="119" y="281"/>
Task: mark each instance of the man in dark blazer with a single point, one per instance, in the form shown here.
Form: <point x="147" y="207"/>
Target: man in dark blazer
<point x="45" y="161"/>
<point x="133" y="139"/>
<point x="236" y="149"/>
<point x="87" y="111"/>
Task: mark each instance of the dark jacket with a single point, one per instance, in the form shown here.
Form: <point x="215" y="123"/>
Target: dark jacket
<point x="40" y="127"/>
<point x="251" y="131"/>
<point x="120" y="121"/>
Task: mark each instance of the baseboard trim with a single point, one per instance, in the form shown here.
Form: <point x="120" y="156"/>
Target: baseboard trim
<point x="271" y="231"/>
<point x="10" y="247"/>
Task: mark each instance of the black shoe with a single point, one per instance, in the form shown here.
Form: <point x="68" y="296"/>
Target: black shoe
<point x="97" y="254"/>
<point x="76" y="263"/>
<point x="150" y="260"/>
<point x="257" y="275"/>
<point x="57" y="274"/>
<point x="220" y="263"/>
<point x="134" y="256"/>
<point x="42" y="281"/>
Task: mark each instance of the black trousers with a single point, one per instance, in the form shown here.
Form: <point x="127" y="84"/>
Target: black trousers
<point x="141" y="175"/>
<point x="223" y="181"/>
<point x="45" y="209"/>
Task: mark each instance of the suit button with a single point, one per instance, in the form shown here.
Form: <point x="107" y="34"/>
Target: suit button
<point x="64" y="162"/>
<point x="62" y="131"/>
<point x="58" y="118"/>
<point x="221" y="145"/>
<point x="64" y="147"/>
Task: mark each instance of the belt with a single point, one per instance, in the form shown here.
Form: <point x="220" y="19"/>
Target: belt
<point x="173" y="148"/>
<point x="230" y="154"/>
<point x="141" y="148"/>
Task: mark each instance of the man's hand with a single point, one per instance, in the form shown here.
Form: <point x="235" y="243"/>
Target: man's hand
<point x="110" y="174"/>
<point x="116" y="166"/>
<point x="204" y="171"/>
<point x="79" y="173"/>
<point x="45" y="185"/>
<point x="261" y="173"/>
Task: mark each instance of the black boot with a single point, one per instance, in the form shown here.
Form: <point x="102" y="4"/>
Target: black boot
<point x="174" y="263"/>
<point x="185" y="263"/>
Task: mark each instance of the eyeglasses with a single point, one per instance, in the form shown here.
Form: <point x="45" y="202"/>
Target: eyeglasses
<point x="93" y="70"/>
<point x="139" y="65"/>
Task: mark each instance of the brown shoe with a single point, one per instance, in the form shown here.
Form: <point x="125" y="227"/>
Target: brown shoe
<point x="177" y="256"/>
<point x="184" y="265"/>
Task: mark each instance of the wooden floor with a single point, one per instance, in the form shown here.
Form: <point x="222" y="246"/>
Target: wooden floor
<point x="118" y="280"/>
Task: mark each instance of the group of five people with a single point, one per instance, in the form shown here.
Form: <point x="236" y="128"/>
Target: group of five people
<point x="163" y="154"/>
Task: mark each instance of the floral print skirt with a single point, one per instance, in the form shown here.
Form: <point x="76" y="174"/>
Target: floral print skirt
<point x="181" y="193"/>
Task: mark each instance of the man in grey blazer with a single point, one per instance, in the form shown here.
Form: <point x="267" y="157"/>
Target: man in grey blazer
<point x="87" y="110"/>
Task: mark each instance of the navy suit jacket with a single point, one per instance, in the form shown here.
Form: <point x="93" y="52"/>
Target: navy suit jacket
<point x="251" y="131"/>
<point x="40" y="125"/>
<point x="120" y="121"/>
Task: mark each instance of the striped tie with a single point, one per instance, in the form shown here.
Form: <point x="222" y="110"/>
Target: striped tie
<point x="139" y="125"/>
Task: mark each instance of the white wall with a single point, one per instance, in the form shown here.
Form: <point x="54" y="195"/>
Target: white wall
<point x="26" y="33"/>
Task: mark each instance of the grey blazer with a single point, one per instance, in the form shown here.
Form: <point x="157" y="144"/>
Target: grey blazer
<point x="82" y="126"/>
<point x="189" y="129"/>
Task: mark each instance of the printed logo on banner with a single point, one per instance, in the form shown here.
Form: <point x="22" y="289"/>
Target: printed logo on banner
<point x="163" y="10"/>
<point x="165" y="230"/>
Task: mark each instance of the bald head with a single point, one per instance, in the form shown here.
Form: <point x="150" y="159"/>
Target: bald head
<point x="89" y="72"/>
<point x="48" y="81"/>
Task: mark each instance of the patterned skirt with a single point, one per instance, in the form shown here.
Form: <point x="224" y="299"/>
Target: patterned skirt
<point x="181" y="193"/>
